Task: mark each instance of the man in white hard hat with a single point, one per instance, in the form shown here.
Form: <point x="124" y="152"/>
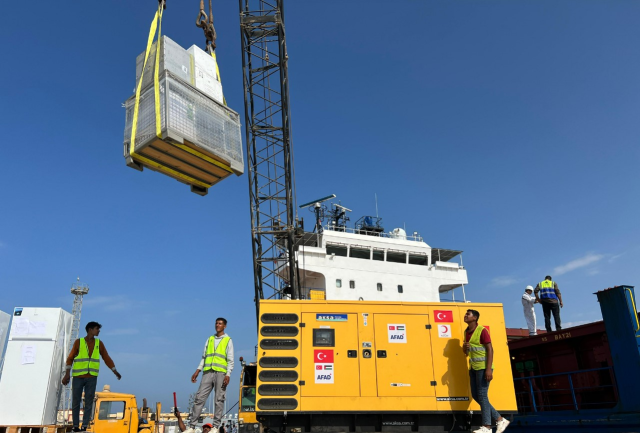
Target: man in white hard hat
<point x="528" y="299"/>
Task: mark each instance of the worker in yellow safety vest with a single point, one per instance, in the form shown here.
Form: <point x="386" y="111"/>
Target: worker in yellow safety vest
<point x="216" y="365"/>
<point x="477" y="345"/>
<point x="85" y="359"/>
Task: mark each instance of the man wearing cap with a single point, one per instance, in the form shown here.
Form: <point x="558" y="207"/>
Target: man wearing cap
<point x="528" y="300"/>
<point x="548" y="294"/>
<point x="206" y="428"/>
<point x="216" y="364"/>
<point x="85" y="358"/>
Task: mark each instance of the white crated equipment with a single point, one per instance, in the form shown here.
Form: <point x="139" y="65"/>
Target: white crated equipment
<point x="33" y="366"/>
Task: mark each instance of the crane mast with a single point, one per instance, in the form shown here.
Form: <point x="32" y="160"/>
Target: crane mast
<point x="269" y="149"/>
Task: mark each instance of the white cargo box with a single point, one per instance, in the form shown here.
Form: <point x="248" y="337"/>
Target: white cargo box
<point x="30" y="387"/>
<point x="205" y="77"/>
<point x="200" y="141"/>
<point x="173" y="58"/>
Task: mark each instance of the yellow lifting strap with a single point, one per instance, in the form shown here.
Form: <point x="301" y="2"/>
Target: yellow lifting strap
<point x="156" y="24"/>
<point x="213" y="54"/>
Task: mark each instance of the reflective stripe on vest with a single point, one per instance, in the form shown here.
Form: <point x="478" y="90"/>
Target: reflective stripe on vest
<point x="85" y="364"/>
<point x="216" y="357"/>
<point x="477" y="352"/>
<point x="547" y="289"/>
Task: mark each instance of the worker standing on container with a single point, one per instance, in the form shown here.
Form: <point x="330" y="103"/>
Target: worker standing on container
<point x="548" y="294"/>
<point x="216" y="364"/>
<point x="85" y="359"/>
<point x="478" y="347"/>
<point x="528" y="301"/>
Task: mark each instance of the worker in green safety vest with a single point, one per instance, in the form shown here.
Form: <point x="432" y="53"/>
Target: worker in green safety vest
<point x="477" y="346"/>
<point x="85" y="359"/>
<point x="216" y="365"/>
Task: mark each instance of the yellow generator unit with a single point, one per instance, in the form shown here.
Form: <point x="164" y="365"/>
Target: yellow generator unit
<point x="373" y="366"/>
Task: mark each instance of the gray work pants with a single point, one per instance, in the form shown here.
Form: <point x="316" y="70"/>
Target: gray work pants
<point x="210" y="380"/>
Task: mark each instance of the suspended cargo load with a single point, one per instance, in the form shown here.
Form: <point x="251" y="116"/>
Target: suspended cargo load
<point x="189" y="134"/>
<point x="199" y="142"/>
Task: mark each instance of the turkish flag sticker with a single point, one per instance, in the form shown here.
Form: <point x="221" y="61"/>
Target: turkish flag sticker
<point x="443" y="316"/>
<point x="323" y="356"/>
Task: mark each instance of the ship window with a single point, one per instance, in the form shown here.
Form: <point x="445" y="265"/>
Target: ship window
<point x="352" y="284"/>
<point x="400" y="289"/>
<point x="378" y="255"/>
<point x="338" y="250"/>
<point x="111" y="410"/>
<point x="379" y="287"/>
<point x="360" y="253"/>
<point x="324" y="337"/>
<point x="338" y="283"/>
<point x="418" y="259"/>
<point x="396" y="257"/>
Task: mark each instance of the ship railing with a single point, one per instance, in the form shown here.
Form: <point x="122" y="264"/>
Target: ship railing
<point x="541" y="393"/>
<point x="333" y="228"/>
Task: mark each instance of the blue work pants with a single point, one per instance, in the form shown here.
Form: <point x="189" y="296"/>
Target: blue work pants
<point x="480" y="393"/>
<point x="88" y="384"/>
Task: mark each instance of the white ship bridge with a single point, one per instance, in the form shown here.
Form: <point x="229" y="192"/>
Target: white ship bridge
<point x="367" y="263"/>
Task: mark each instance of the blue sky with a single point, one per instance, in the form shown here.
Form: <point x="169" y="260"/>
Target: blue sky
<point x="505" y="129"/>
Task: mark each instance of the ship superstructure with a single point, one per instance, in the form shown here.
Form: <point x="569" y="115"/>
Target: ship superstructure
<point x="365" y="262"/>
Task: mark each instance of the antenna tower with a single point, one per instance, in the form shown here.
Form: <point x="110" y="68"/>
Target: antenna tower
<point x="78" y="290"/>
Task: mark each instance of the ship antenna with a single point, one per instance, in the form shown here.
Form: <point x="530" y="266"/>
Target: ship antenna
<point x="376" y="196"/>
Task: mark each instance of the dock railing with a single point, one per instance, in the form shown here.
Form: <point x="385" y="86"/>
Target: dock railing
<point x="574" y="390"/>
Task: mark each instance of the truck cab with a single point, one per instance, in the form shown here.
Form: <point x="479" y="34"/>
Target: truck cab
<point x="116" y="412"/>
<point x="247" y="421"/>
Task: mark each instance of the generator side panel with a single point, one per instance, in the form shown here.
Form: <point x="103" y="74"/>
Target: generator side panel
<point x="279" y="345"/>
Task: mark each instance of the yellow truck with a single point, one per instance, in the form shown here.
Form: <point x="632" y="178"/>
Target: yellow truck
<point x="369" y="366"/>
<point x="118" y="413"/>
<point x="247" y="421"/>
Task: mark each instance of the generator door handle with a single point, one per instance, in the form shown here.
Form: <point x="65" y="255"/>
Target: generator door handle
<point x="352" y="353"/>
<point x="382" y="353"/>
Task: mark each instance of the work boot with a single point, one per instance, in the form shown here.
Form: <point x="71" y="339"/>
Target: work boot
<point x="502" y="425"/>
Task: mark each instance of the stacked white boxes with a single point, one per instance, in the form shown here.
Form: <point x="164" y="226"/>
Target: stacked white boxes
<point x="200" y="141"/>
<point x="173" y="58"/>
<point x="205" y="77"/>
<point x="30" y="387"/>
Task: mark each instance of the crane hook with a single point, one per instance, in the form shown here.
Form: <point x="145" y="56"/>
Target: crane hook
<point x="205" y="22"/>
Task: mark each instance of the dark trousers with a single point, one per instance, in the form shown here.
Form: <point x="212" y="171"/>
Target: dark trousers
<point x="547" y="309"/>
<point x="480" y="393"/>
<point x="88" y="384"/>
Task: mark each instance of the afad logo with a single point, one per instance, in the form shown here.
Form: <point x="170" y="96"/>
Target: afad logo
<point x="323" y="376"/>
